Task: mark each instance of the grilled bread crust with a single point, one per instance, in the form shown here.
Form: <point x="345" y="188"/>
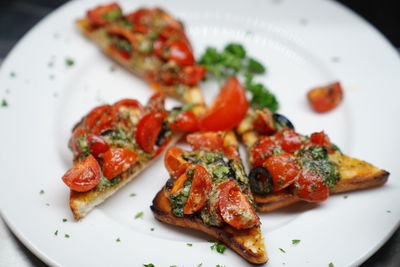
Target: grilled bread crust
<point x="248" y="243"/>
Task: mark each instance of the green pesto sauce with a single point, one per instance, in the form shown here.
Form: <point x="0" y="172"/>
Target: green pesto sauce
<point x="316" y="160"/>
<point x="178" y="200"/>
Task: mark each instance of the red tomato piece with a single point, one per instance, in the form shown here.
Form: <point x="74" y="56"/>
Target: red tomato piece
<point x="192" y="75"/>
<point x="310" y="187"/>
<point x="96" y="15"/>
<point x="169" y="32"/>
<point x="118" y="160"/>
<point x="199" y="190"/>
<point x="264" y="122"/>
<point x="158" y="47"/>
<point x="156" y="102"/>
<point x="325" y="98"/>
<point x="179" y="183"/>
<point x="97" y="145"/>
<point x="207" y="141"/>
<point x="142" y="16"/>
<point x="232" y="152"/>
<point x="123" y="32"/>
<point x="106" y="122"/>
<point x="173" y="160"/>
<point x="261" y="150"/>
<point x="94" y="115"/>
<point x="84" y="176"/>
<point x="128" y="103"/>
<point x="234" y="207"/>
<point x="77" y="134"/>
<point x="227" y="110"/>
<point x="283" y="168"/>
<point x="148" y="129"/>
<point x="186" y="122"/>
<point x="180" y="52"/>
<point x="288" y="139"/>
<point x="320" y="139"/>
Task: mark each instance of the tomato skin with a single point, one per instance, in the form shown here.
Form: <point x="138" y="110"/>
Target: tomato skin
<point x="310" y="187"/>
<point x="156" y="102"/>
<point x="230" y="100"/>
<point x="128" y="103"/>
<point x="199" y="190"/>
<point x="94" y="115"/>
<point x="288" y="139"/>
<point x="284" y="170"/>
<point x="78" y="132"/>
<point x="325" y="98"/>
<point x="180" y="52"/>
<point x="173" y="160"/>
<point x="84" y="176"/>
<point x="207" y="141"/>
<point x="97" y="145"/>
<point x="232" y="203"/>
<point x="186" y="122"/>
<point x="261" y="150"/>
<point x="232" y="152"/>
<point x="95" y="15"/>
<point x="264" y="122"/>
<point x="148" y="129"/>
<point x="106" y="122"/>
<point x="192" y="75"/>
<point x="118" y="160"/>
<point x="141" y="16"/>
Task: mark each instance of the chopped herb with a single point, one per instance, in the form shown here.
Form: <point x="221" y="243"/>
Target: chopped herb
<point x="173" y="266"/>
<point x="108" y="183"/>
<point x="295" y="241"/>
<point x="148" y="265"/>
<point x="254" y="66"/>
<point x="69" y="62"/>
<point x="112" y="15"/>
<point x="132" y="194"/>
<point x="118" y="240"/>
<point x="218" y="246"/>
<point x="139" y="215"/>
<point x="64" y="220"/>
<point x="50" y="64"/>
<point x="4" y="103"/>
<point x="388" y="211"/>
<point x="189" y="244"/>
<point x="201" y="264"/>
<point x="66" y="235"/>
<point x="13" y="74"/>
<point x="113" y="68"/>
<point x="331" y="264"/>
<point x="56" y="232"/>
<point x="261" y="96"/>
<point x="151" y="229"/>
<point x="41" y="192"/>
<point x="236" y="50"/>
<point x="281" y="249"/>
<point x="345" y="197"/>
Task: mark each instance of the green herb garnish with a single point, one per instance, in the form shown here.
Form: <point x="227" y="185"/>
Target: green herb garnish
<point x="69" y="62"/>
<point x="139" y="215"/>
<point x="189" y="244"/>
<point x="261" y="96"/>
<point x="295" y="241"/>
<point x="118" y="240"/>
<point x="281" y="249"/>
<point x="4" y="103"/>
<point x="108" y="183"/>
<point x="64" y="220"/>
<point x="148" y="265"/>
<point x="218" y="246"/>
<point x="132" y="194"/>
<point x="56" y="232"/>
<point x="66" y="235"/>
<point x="151" y="229"/>
<point x="345" y="197"/>
<point x="112" y="14"/>
<point x="41" y="192"/>
<point x="12" y="74"/>
<point x="331" y="264"/>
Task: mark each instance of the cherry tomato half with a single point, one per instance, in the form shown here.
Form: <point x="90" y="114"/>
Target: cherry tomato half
<point x="97" y="145"/>
<point x="227" y="110"/>
<point x="288" y="139"/>
<point x="84" y="176"/>
<point x="207" y="141"/>
<point x="148" y="129"/>
<point x="234" y="207"/>
<point x="264" y="122"/>
<point x="173" y="160"/>
<point x="94" y="115"/>
<point x="180" y="52"/>
<point x="156" y="102"/>
<point x="325" y="98"/>
<point x="261" y="150"/>
<point x="118" y="160"/>
<point x="201" y="186"/>
<point x="96" y="16"/>
<point x="310" y="187"/>
<point x="192" y="75"/>
<point x="186" y="122"/>
<point x="283" y="169"/>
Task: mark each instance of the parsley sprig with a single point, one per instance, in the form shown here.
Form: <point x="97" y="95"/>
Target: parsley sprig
<point x="234" y="61"/>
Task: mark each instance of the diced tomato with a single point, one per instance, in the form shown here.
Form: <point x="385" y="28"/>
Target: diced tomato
<point x="232" y="152"/>
<point x="118" y="160"/>
<point x="168" y="32"/>
<point x="199" y="190"/>
<point x="173" y="160"/>
<point x="264" y="122"/>
<point x="129" y="103"/>
<point x="179" y="183"/>
<point x="96" y="16"/>
<point x="139" y="28"/>
<point x="227" y="110"/>
<point x="283" y="168"/>
<point x="310" y="187"/>
<point x="186" y="121"/>
<point x="166" y="77"/>
<point x="234" y="207"/>
<point x="180" y="52"/>
<point x="94" y="115"/>
<point x="156" y="102"/>
<point x="158" y="47"/>
<point x="325" y="98"/>
<point x="123" y="32"/>
<point x="261" y="150"/>
<point x="148" y="129"/>
<point x="97" y="145"/>
<point x="106" y="122"/>
<point x="207" y="141"/>
<point x="84" y="176"/>
<point x="288" y="139"/>
<point x="320" y="139"/>
<point x="142" y="16"/>
<point x="192" y="75"/>
<point x="78" y="133"/>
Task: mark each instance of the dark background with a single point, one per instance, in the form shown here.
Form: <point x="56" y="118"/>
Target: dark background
<point x="18" y="16"/>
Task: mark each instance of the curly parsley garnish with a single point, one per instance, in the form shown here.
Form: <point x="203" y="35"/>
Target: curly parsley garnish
<point x="218" y="246"/>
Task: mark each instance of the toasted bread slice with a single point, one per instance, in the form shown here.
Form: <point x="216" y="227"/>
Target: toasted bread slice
<point x="247" y="243"/>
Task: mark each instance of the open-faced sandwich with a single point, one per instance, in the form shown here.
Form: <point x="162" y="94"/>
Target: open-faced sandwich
<point x="287" y="167"/>
<point x="114" y="143"/>
<point x="209" y="191"/>
<point x="151" y="44"/>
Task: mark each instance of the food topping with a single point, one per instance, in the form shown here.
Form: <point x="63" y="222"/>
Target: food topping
<point x="326" y="98"/>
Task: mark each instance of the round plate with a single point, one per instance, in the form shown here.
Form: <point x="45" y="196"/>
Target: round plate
<point x="303" y="44"/>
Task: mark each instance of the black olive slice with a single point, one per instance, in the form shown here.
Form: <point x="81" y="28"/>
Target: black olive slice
<point x="260" y="181"/>
<point x="282" y="121"/>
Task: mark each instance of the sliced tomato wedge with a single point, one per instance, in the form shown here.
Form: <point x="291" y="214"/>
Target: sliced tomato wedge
<point x="288" y="139"/>
<point x="192" y="75"/>
<point x="284" y="170"/>
<point x="199" y="190"/>
<point x="325" y="98"/>
<point x="94" y="115"/>
<point x="156" y="102"/>
<point x="173" y="160"/>
<point x="180" y="52"/>
<point x="169" y="32"/>
<point x="98" y="15"/>
<point x="310" y="187"/>
<point x="128" y="103"/>
<point x="227" y="110"/>
<point x="179" y="183"/>
<point x="264" y="122"/>
<point x="232" y="152"/>
<point x="123" y="32"/>
<point x="261" y="150"/>
<point x="97" y="145"/>
<point x="186" y="122"/>
<point x="148" y="129"/>
<point x="142" y="16"/>
<point x="207" y="141"/>
<point x="118" y="160"/>
<point x="234" y="207"/>
<point x="106" y="122"/>
<point x="84" y="176"/>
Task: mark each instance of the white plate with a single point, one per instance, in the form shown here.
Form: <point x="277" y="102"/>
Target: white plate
<point x="303" y="44"/>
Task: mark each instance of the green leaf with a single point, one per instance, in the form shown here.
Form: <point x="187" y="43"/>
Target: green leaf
<point x="236" y="49"/>
<point x="281" y="249"/>
<point x="295" y="241"/>
<point x="331" y="264"/>
<point x="149" y="265"/>
<point x="69" y="62"/>
<point x="219" y="247"/>
<point x="139" y="215"/>
<point x="254" y="66"/>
